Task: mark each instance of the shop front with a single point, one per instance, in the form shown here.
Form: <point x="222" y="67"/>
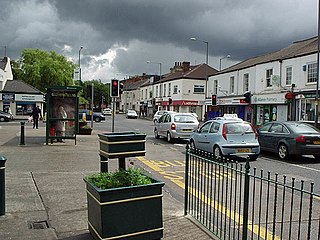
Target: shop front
<point x="232" y="105"/>
<point x="192" y="106"/>
<point x="305" y="106"/>
<point x="269" y="107"/>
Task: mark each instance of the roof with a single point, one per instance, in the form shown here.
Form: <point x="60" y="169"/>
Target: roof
<point x="194" y="72"/>
<point x="19" y="86"/>
<point x="296" y="49"/>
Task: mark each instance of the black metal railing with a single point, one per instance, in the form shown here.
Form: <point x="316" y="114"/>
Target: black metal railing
<point x="234" y="201"/>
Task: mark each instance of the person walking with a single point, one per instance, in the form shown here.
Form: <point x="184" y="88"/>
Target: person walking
<point x="36" y="113"/>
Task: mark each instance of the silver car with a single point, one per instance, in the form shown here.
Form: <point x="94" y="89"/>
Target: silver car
<point x="227" y="137"/>
<point x="173" y="125"/>
<point x="158" y="114"/>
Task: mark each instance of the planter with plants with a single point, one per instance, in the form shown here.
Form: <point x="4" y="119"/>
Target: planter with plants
<point x="84" y="128"/>
<point x="125" y="204"/>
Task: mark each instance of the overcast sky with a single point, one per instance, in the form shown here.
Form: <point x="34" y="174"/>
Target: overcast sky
<point x="120" y="36"/>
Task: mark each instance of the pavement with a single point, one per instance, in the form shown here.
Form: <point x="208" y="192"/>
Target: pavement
<point x="45" y="192"/>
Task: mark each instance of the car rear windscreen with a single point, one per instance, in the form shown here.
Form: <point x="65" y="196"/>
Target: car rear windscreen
<point x="184" y="119"/>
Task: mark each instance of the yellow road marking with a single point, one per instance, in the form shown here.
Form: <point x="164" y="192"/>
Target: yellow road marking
<point x="178" y="180"/>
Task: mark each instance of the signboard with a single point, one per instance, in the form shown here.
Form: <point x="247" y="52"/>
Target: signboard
<point x="8" y="96"/>
<point x="268" y="99"/>
<point x="29" y="98"/>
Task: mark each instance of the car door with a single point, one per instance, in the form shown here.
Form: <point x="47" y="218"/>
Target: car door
<point x="159" y="125"/>
<point x="201" y="137"/>
<point x="277" y="133"/>
<point x="264" y="136"/>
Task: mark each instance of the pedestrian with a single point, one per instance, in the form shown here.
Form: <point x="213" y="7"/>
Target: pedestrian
<point x="36" y="114"/>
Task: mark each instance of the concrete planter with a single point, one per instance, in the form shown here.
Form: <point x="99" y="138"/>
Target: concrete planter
<point x="131" y="213"/>
<point x="122" y="144"/>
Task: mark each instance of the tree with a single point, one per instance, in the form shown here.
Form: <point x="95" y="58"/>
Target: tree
<point x="41" y="69"/>
<point x="100" y="90"/>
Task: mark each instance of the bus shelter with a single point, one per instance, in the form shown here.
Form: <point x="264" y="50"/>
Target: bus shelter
<point x="62" y="113"/>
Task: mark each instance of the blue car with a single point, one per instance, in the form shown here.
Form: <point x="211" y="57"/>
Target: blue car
<point x="226" y="138"/>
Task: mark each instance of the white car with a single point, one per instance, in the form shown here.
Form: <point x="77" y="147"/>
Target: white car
<point x="107" y="111"/>
<point x="158" y="114"/>
<point x="131" y="114"/>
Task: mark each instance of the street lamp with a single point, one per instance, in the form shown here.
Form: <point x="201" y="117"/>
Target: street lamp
<point x="80" y="64"/>
<point x="318" y="72"/>
<point x="207" y="61"/>
<point x="228" y="56"/>
<point x="159" y="66"/>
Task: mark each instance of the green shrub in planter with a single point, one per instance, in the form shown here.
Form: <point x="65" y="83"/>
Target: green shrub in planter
<point x="120" y="178"/>
<point x="125" y="204"/>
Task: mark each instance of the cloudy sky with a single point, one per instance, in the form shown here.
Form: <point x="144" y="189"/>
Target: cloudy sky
<point x="120" y="36"/>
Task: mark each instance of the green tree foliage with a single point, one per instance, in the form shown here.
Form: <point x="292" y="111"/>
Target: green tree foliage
<point x="101" y="92"/>
<point x="41" y="69"/>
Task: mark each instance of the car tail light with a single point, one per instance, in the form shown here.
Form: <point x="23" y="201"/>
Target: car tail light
<point x="224" y="131"/>
<point x="173" y="126"/>
<point x="300" y="139"/>
<point x="255" y="131"/>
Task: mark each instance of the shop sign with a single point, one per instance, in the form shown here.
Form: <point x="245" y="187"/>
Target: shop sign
<point x="268" y="99"/>
<point x="181" y="103"/>
<point x="29" y="98"/>
<point x="7" y="96"/>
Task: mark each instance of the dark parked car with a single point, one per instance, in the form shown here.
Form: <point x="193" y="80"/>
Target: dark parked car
<point x="97" y="116"/>
<point x="5" y="116"/>
<point x="290" y="139"/>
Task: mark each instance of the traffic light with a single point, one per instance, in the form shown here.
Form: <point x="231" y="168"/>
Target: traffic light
<point x="214" y="100"/>
<point x="170" y="101"/>
<point x="120" y="88"/>
<point x="247" y="97"/>
<point x="114" y="88"/>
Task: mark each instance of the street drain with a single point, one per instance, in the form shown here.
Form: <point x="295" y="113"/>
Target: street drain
<point x="38" y="225"/>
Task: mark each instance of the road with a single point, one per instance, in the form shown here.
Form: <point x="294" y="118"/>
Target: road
<point x="171" y="155"/>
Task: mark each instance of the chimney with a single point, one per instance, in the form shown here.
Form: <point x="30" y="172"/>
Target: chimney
<point x="186" y="66"/>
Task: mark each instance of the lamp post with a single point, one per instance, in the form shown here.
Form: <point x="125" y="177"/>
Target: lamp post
<point x="228" y="56"/>
<point x="207" y="62"/>
<point x="153" y="94"/>
<point x="80" y="64"/>
<point x="318" y="71"/>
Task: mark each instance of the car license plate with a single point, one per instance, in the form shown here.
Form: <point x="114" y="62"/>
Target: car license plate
<point x="316" y="142"/>
<point x="243" y="150"/>
<point x="187" y="130"/>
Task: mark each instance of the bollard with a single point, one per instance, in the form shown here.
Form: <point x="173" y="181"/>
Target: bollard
<point x="2" y="185"/>
<point x="22" y="142"/>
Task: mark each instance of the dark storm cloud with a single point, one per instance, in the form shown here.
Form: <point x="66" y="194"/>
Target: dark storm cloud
<point x="154" y="30"/>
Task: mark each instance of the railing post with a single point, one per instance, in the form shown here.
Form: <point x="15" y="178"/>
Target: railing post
<point x="246" y="200"/>
<point x="3" y="160"/>
<point x="22" y="142"/>
<point x="186" y="180"/>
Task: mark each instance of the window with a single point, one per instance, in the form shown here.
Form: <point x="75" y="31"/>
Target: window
<point x="157" y="91"/>
<point x="175" y="89"/>
<point x="198" y="88"/>
<point x="312" y="73"/>
<point x="146" y="94"/>
<point x="141" y="94"/>
<point x="288" y="75"/>
<point x="214" y="127"/>
<point x="268" y="77"/>
<point x="205" y="128"/>
<point x="160" y="91"/>
<point x="215" y="86"/>
<point x="169" y="90"/>
<point x="246" y="82"/>
<point x="231" y="84"/>
<point x="164" y="89"/>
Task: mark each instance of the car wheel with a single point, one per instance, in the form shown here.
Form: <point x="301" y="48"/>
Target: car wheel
<point x="217" y="152"/>
<point x="169" y="138"/>
<point x="282" y="151"/>
<point x="192" y="145"/>
<point x="156" y="134"/>
<point x="2" y="119"/>
<point x="253" y="157"/>
<point x="98" y="119"/>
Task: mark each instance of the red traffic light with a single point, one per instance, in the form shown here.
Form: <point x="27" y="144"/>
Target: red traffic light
<point x="115" y="83"/>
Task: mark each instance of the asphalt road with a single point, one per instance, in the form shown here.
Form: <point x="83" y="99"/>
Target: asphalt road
<point x="305" y="169"/>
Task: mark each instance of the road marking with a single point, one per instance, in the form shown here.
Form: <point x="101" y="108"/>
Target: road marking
<point x="178" y="180"/>
<point x="308" y="168"/>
